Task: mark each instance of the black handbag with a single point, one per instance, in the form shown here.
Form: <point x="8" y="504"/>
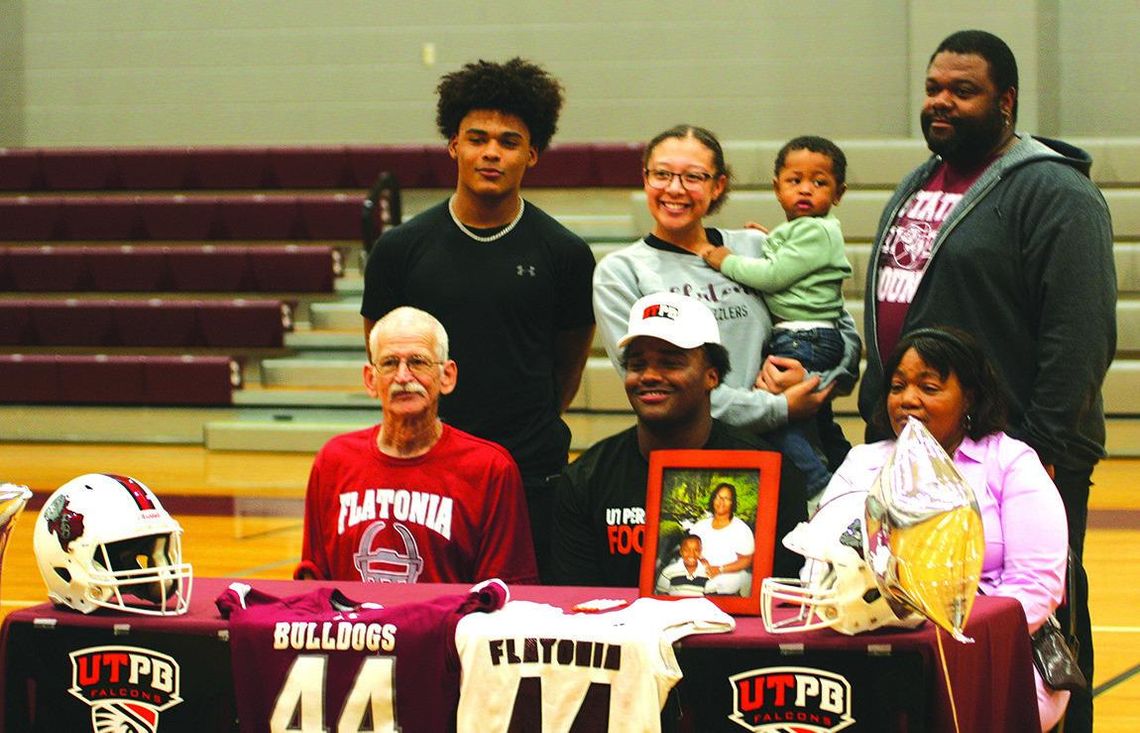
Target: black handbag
<point x="1054" y="660"/>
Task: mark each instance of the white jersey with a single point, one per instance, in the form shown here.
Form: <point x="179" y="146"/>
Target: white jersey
<point x="533" y="667"/>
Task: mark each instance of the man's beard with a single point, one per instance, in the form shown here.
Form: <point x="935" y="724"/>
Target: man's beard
<point x="972" y="141"/>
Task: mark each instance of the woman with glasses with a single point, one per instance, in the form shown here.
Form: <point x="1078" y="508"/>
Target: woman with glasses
<point x="685" y="179"/>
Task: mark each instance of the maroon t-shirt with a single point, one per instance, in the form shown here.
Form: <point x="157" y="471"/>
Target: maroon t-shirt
<point x="906" y="248"/>
<point x="317" y="661"/>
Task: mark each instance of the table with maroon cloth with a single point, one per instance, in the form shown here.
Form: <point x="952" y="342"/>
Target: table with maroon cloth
<point x="57" y="662"/>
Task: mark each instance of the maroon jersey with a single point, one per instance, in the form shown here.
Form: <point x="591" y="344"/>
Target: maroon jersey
<point x="319" y="661"/>
<point x="456" y="514"/>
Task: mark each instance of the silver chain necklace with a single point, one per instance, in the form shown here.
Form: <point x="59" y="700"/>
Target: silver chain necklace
<point x="492" y="237"/>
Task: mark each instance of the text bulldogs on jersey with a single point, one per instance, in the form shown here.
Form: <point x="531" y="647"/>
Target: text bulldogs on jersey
<point x="774" y="698"/>
<point x="415" y="507"/>
<point x="334" y="636"/>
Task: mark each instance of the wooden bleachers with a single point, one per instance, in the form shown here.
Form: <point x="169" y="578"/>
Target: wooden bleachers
<point x="196" y="226"/>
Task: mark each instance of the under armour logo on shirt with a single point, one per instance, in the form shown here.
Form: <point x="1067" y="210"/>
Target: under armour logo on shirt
<point x="526" y="270"/>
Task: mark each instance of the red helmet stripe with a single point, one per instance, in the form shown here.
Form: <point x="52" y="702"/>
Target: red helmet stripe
<point x="136" y="490"/>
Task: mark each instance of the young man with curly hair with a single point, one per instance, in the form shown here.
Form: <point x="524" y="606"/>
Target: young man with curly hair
<point x="510" y="284"/>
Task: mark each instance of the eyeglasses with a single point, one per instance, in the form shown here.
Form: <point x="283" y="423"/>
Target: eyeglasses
<point x="692" y="180"/>
<point x="419" y="365"/>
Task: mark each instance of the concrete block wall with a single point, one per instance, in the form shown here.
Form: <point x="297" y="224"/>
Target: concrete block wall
<point x="99" y="72"/>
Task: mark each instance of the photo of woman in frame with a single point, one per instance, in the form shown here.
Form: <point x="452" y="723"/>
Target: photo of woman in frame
<point x="713" y="510"/>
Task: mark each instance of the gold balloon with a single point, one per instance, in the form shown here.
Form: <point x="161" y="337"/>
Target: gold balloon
<point x="924" y="538"/>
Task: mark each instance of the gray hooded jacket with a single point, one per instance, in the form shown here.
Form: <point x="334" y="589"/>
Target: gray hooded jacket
<point x="1024" y="262"/>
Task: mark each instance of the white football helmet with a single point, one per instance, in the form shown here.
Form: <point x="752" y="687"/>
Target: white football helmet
<point x="839" y="590"/>
<point x="105" y="541"/>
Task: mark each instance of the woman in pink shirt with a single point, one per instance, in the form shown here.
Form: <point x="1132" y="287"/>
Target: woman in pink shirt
<point x="942" y="378"/>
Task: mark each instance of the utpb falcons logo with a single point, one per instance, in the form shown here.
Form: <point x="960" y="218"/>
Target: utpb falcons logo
<point x="660" y="310"/>
<point x="126" y="687"/>
<point x="791" y="700"/>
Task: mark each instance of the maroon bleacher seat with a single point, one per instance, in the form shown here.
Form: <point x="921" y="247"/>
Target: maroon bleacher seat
<point x="563" y="166"/>
<point x="48" y="268"/>
<point x="442" y="169"/>
<point x="208" y="268"/>
<point x="72" y="322"/>
<point x="123" y="380"/>
<point x="256" y="216"/>
<point x="20" y="169"/>
<point x="30" y="218"/>
<point x="157" y="322"/>
<point x="235" y="323"/>
<point x="335" y="216"/>
<point x="310" y="167"/>
<point x="178" y="217"/>
<point x="228" y="167"/>
<point x="100" y="218"/>
<point x="5" y="273"/>
<point x="191" y="380"/>
<point x="15" y="323"/>
<point x="292" y="268"/>
<point x="148" y="169"/>
<point x="78" y="169"/>
<point x="244" y="323"/>
<point x="28" y="378"/>
<point x="618" y="164"/>
<point x="127" y="268"/>
<point x="101" y="379"/>
<point x="408" y="163"/>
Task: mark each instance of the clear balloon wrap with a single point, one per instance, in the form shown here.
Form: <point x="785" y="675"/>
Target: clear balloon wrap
<point x="12" y="501"/>
<point x="924" y="539"/>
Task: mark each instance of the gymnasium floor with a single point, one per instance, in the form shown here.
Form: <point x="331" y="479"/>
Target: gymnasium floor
<point x="241" y="513"/>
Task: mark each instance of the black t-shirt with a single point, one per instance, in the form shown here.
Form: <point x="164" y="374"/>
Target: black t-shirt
<point x="503" y="304"/>
<point x="599" y="519"/>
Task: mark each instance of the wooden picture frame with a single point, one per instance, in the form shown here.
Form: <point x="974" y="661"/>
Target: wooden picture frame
<point x="679" y="503"/>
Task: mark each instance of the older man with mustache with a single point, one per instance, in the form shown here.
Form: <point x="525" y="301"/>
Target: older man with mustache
<point x="412" y="499"/>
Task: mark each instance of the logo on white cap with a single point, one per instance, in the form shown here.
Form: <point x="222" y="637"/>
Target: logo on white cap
<point x="660" y="310"/>
<point x="682" y="321"/>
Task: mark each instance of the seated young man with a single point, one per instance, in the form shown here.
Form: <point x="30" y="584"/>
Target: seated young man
<point x="673" y="360"/>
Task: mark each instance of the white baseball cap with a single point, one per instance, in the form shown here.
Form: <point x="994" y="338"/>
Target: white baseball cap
<point x="682" y="321"/>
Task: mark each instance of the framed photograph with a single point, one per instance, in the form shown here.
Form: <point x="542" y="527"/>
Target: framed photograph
<point x="710" y="526"/>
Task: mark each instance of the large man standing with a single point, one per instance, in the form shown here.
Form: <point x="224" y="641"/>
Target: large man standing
<point x="673" y="360"/>
<point x="1005" y="237"/>
<point x="510" y="284"/>
<point x="411" y="499"/>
